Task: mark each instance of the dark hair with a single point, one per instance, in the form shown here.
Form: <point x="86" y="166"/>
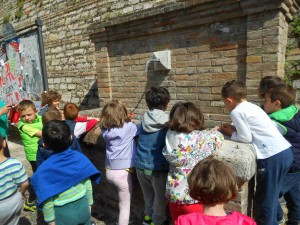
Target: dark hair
<point x="186" y="117"/>
<point x="25" y="104"/>
<point x="266" y="83"/>
<point x="157" y="98"/>
<point x="52" y="113"/>
<point x="49" y="96"/>
<point x="57" y="135"/>
<point x="114" y="115"/>
<point x="234" y="89"/>
<point x="212" y="182"/>
<point x="71" y="111"/>
<point x="284" y="93"/>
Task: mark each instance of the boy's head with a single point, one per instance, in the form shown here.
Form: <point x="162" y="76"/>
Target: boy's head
<point x="233" y="92"/>
<point x="51" y="113"/>
<point x="279" y="97"/>
<point x="27" y="111"/>
<point x="212" y="182"/>
<point x="267" y="83"/>
<point x="57" y="135"/>
<point x="186" y="117"/>
<point x="70" y="111"/>
<point x="51" y="98"/>
<point x="158" y="98"/>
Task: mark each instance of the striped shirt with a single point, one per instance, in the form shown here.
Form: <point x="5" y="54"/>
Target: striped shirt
<point x="12" y="175"/>
<point x="84" y="188"/>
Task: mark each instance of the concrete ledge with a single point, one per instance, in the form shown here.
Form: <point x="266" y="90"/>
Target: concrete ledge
<point x="241" y="156"/>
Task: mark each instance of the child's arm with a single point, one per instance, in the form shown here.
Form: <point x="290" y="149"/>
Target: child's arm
<point x="48" y="211"/>
<point x="23" y="188"/>
<point x="89" y="191"/>
<point x="31" y="131"/>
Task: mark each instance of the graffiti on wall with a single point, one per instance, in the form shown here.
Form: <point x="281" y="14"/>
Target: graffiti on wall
<point x="20" y="69"/>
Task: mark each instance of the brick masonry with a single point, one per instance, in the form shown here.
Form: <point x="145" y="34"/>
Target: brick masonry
<point x="98" y="50"/>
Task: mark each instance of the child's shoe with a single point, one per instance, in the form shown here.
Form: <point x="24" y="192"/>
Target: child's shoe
<point x="31" y="206"/>
<point x="147" y="220"/>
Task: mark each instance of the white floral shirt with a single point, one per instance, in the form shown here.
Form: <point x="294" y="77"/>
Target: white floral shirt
<point x="183" y="151"/>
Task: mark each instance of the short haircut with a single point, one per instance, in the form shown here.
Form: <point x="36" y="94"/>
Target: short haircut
<point x="52" y="113"/>
<point x="49" y="96"/>
<point x="157" y="98"/>
<point x="266" y="83"/>
<point x="57" y="135"/>
<point x="284" y="93"/>
<point x="114" y="115"/>
<point x="212" y="182"/>
<point x="71" y="111"/>
<point x="25" y="104"/>
<point x="234" y="89"/>
<point x="186" y="117"/>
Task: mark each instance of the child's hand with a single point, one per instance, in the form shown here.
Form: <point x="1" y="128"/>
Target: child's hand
<point x="5" y="109"/>
<point x="227" y="129"/>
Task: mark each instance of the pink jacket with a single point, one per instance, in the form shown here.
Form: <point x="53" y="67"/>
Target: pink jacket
<point x="235" y="218"/>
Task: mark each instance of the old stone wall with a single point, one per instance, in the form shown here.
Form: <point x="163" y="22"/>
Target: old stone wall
<point x="98" y="50"/>
<point x="69" y="51"/>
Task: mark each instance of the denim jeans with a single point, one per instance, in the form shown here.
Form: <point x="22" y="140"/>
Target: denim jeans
<point x="291" y="192"/>
<point x="270" y="175"/>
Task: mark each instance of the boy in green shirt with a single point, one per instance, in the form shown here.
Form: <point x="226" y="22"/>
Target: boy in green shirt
<point x="30" y="127"/>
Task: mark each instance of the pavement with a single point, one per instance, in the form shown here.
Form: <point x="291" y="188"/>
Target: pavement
<point x="33" y="218"/>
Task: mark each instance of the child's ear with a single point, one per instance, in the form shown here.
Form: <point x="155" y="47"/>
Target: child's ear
<point x="44" y="145"/>
<point x="230" y="100"/>
<point x="278" y="104"/>
<point x="4" y="143"/>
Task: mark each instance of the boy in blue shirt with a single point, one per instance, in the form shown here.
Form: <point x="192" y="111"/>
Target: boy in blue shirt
<point x="279" y="104"/>
<point x="151" y="166"/>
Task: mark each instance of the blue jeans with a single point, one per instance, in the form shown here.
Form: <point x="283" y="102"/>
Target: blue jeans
<point x="270" y="175"/>
<point x="291" y="192"/>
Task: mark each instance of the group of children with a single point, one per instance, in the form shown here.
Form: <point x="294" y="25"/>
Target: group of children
<point x="172" y="155"/>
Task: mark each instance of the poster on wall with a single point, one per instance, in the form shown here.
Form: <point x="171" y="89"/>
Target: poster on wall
<point x="20" y="69"/>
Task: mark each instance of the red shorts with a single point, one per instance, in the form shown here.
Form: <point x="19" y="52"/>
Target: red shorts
<point x="178" y="210"/>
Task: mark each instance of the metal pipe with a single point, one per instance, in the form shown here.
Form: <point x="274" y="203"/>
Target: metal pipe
<point x="39" y="24"/>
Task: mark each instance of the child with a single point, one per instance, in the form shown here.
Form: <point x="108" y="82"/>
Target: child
<point x="78" y="125"/>
<point x="44" y="153"/>
<point x="120" y="152"/>
<point x="187" y="142"/>
<point x="30" y="128"/>
<point x="4" y="109"/>
<point x="213" y="183"/>
<point x="151" y="166"/>
<point x="266" y="83"/>
<point x="62" y="183"/>
<point x="274" y="155"/>
<point x="50" y="98"/>
<point x="12" y="178"/>
<point x="279" y="104"/>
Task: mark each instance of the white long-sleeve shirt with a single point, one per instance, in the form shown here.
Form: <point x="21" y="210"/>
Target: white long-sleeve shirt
<point x="254" y="126"/>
